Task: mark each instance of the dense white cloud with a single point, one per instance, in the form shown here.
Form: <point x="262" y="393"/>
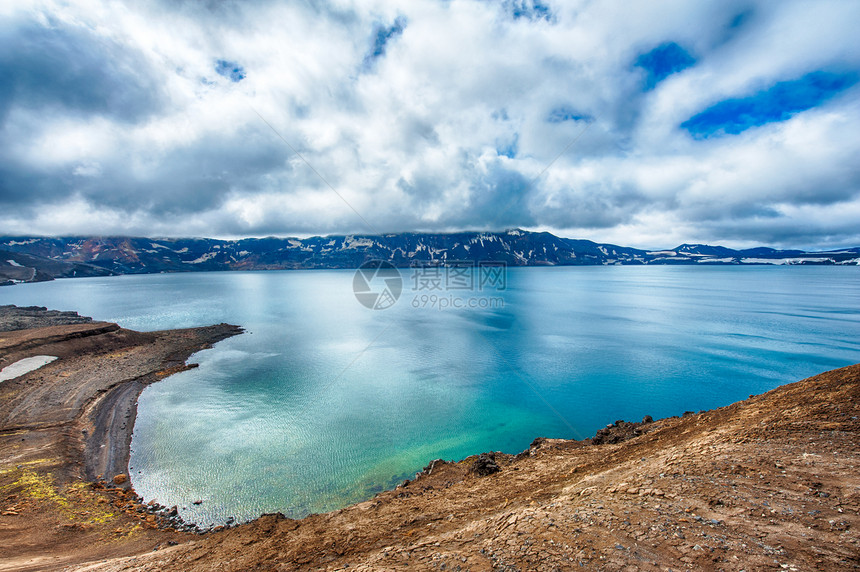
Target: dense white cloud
<point x="142" y="118"/>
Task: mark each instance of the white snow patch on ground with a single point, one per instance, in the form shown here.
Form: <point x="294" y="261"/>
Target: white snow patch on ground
<point x="763" y="260"/>
<point x="802" y="260"/>
<point x="707" y="260"/>
<point x="23" y="366"/>
<point x="13" y="263"/>
<point x="204" y="258"/>
<point x="783" y="260"/>
<point x="352" y="242"/>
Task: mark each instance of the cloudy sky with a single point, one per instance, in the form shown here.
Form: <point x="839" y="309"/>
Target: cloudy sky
<point x="645" y="124"/>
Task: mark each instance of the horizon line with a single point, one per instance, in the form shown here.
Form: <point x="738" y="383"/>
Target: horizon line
<point x="410" y="232"/>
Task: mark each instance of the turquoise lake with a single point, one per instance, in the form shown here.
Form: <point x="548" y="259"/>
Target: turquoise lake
<point x="324" y="402"/>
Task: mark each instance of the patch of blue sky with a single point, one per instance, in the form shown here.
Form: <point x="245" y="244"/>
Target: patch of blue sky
<point x="779" y="102"/>
<point x="529" y="10"/>
<point x="663" y="61"/>
<point x="508" y="148"/>
<point x="565" y="113"/>
<point x="382" y="35"/>
<point x="231" y="70"/>
<point x="500" y="114"/>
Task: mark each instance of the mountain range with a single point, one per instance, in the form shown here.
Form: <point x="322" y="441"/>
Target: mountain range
<point x="29" y="259"/>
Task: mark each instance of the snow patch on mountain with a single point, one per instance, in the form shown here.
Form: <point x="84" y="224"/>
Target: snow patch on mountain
<point x="206" y="256"/>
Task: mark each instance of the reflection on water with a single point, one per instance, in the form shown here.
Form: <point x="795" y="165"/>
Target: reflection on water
<point x="299" y="415"/>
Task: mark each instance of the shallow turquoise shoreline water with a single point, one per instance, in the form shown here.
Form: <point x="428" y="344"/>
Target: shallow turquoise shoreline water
<point x="324" y="402"/>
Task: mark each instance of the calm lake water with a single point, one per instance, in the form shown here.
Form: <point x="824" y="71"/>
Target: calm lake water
<point x="324" y="402"/>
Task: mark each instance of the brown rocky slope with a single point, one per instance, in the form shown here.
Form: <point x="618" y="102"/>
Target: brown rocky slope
<point x="770" y="483"/>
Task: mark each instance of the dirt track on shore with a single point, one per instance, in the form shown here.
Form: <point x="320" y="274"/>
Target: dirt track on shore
<point x="769" y="483"/>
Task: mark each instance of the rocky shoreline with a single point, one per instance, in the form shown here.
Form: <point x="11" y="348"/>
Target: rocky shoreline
<point x="101" y="372"/>
<point x="28" y="317"/>
<point x="70" y="422"/>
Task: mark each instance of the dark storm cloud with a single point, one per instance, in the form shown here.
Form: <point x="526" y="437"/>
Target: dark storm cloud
<point x="22" y="187"/>
<point x="62" y="71"/>
<point x="592" y="206"/>
<point x="814" y="235"/>
<point x="498" y="198"/>
<point x="73" y="70"/>
<point x="187" y="180"/>
<point x="192" y="179"/>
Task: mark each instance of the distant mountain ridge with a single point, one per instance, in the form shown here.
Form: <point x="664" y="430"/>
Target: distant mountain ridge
<point x="28" y="259"/>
